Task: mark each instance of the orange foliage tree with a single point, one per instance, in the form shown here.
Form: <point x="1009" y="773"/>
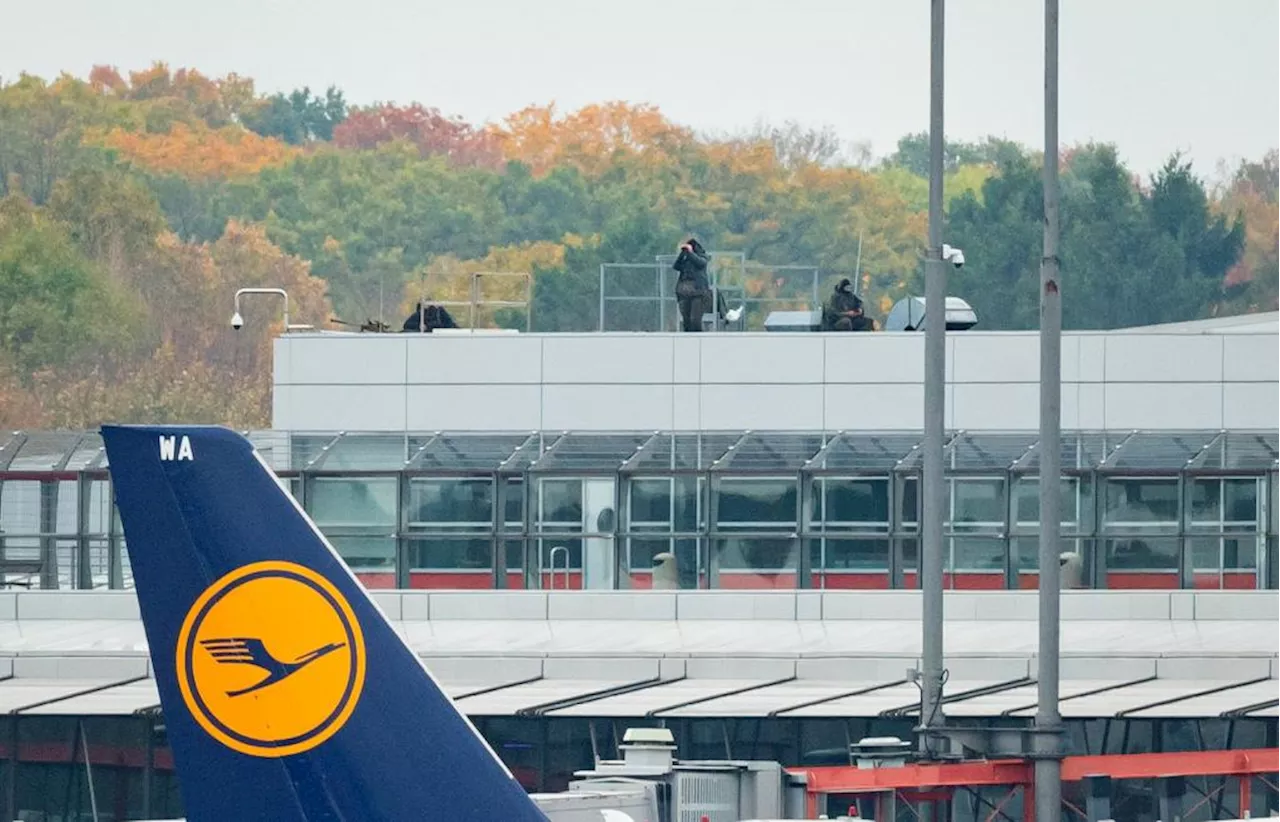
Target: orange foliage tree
<point x="1252" y="283"/>
<point x="199" y="152"/>
<point x="590" y="138"/>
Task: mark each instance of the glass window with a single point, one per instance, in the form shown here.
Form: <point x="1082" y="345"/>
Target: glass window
<point x="1142" y="554"/>
<point x="1145" y="502"/>
<point x="1216" y="502"/>
<point x="560" y="505"/>
<point x="910" y="552"/>
<point x="909" y="504"/>
<point x="977" y="554"/>
<point x="560" y="512"/>
<point x="560" y="556"/>
<point x="759" y="555"/>
<point x="757" y="504"/>
<point x="651" y="503"/>
<point x="1026" y="501"/>
<point x="346" y="503"/>
<point x="642" y="552"/>
<point x="861" y="504"/>
<point x="450" y="554"/>
<point x="1214" y="553"/>
<point x="367" y="553"/>
<point x="851" y="555"/>
<point x="1026" y="553"/>
<point x="977" y="501"/>
<point x="451" y="504"/>
<point x="515" y="504"/>
<point x="688" y="562"/>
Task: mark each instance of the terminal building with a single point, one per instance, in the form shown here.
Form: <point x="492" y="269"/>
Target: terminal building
<point x="513" y="499"/>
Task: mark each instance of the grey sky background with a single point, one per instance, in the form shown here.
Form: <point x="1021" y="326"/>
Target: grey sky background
<point x="1152" y="76"/>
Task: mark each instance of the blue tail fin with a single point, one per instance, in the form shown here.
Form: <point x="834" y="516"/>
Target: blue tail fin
<point x="287" y="694"/>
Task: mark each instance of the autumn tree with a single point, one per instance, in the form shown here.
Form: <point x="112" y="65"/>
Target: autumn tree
<point x="590" y="138"/>
<point x="426" y="128"/>
<point x="199" y="152"/>
<point x="196" y="368"/>
<point x="1251" y="285"/>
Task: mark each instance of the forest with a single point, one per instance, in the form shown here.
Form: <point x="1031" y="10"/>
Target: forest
<point x="133" y="205"/>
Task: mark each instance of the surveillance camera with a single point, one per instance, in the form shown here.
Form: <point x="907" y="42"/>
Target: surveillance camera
<point x="955" y="255"/>
<point x="237" y="322"/>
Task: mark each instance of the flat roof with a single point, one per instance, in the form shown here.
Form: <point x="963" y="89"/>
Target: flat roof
<point x="796" y="654"/>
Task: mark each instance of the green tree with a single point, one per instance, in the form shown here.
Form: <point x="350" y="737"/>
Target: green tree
<point x="1129" y="256"/>
<point x="299" y="117"/>
<point x="56" y="308"/>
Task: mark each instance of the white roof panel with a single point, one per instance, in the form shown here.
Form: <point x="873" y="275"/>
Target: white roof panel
<point x="838" y="638"/>
<point x="654" y="699"/>
<point x="458" y="690"/>
<point x="21" y="692"/>
<point x="764" y="701"/>
<point x="1215" y="704"/>
<point x="121" y="700"/>
<point x="508" y="701"/>
<point x="1132" y="697"/>
<point x="881" y="700"/>
<point x="1025" y="695"/>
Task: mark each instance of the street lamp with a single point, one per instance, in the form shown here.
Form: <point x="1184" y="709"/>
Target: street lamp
<point x="1048" y="720"/>
<point x="237" y="320"/>
<point x="934" y="497"/>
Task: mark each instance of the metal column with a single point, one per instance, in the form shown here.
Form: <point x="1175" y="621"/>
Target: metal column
<point x="934" y="490"/>
<point x="1048" y="722"/>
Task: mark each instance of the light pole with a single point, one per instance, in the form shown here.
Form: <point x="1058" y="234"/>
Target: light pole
<point x="935" y="375"/>
<point x="1048" y="722"/>
<point x="237" y="320"/>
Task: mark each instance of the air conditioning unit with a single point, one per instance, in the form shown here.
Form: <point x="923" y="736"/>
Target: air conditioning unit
<point x="793" y="321"/>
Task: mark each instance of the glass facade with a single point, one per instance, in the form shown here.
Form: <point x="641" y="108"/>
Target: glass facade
<point x="738" y="510"/>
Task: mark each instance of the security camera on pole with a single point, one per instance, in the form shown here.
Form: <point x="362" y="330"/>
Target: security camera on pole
<point x="237" y="319"/>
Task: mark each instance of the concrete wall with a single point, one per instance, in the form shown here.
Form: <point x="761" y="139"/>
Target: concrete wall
<point x="866" y="382"/>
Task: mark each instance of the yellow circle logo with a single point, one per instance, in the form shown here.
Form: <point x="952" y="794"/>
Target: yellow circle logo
<point x="271" y="659"/>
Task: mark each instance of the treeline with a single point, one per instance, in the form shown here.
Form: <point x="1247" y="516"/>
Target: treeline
<point x="132" y="208"/>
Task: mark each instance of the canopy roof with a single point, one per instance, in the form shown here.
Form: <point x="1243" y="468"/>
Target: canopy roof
<point x="661" y="452"/>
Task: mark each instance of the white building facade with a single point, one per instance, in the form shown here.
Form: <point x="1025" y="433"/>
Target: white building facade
<point x="1208" y="376"/>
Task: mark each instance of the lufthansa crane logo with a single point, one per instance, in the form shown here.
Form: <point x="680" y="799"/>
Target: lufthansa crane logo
<point x="271" y="659"/>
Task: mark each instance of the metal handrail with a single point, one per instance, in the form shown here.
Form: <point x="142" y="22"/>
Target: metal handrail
<point x="552" y="564"/>
<point x="475" y="301"/>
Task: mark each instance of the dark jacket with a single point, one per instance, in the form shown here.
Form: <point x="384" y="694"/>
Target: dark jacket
<point x="838" y="303"/>
<point x="436" y="316"/>
<point x="692" y="266"/>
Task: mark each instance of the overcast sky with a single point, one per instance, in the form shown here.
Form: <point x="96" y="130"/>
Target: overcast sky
<point x="1152" y="76"/>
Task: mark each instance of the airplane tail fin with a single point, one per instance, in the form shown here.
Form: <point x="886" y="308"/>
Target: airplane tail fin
<point x="287" y="694"/>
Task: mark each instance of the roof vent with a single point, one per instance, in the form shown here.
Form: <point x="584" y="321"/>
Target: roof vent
<point x="648" y="748"/>
<point x="880" y="752"/>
